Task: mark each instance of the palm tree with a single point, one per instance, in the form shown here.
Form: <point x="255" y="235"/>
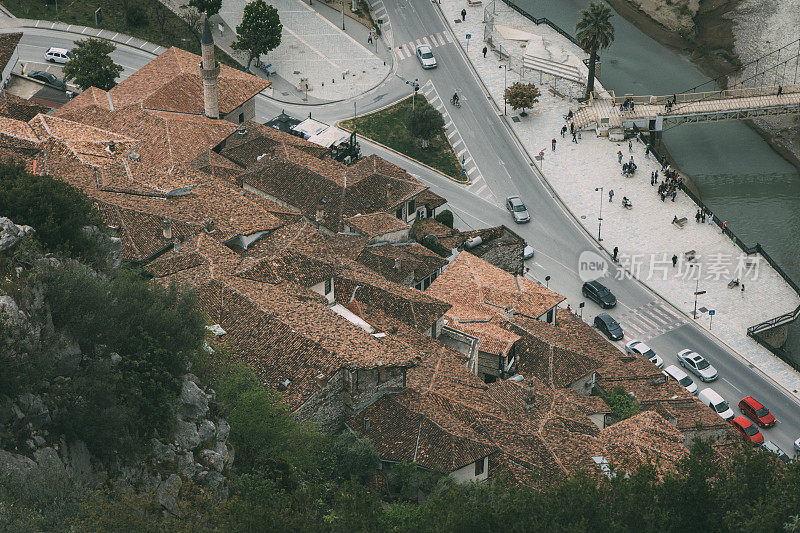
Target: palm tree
<point x="594" y="32"/>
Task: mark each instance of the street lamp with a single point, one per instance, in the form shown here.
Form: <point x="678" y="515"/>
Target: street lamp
<point x="547" y="281"/>
<point x="505" y="85"/>
<point x="600" y="218"/>
<point x="697" y="292"/>
<point x="580" y="306"/>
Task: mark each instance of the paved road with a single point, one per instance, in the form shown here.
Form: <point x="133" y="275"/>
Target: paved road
<point x="556" y="237"/>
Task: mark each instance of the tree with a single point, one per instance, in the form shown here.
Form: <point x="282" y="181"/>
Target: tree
<point x="425" y="122"/>
<point x="192" y="17"/>
<point x="209" y="7"/>
<point x="445" y="217"/>
<point x="594" y="32"/>
<point x="521" y="95"/>
<point x="260" y="30"/>
<point x="91" y="64"/>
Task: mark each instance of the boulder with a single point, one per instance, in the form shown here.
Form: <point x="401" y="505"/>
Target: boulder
<point x="15" y="464"/>
<point x="79" y="460"/>
<point x="207" y="431"/>
<point x="33" y="408"/>
<point x="48" y="458"/>
<point x="163" y="453"/>
<point x="211" y="478"/>
<point x="186" y="465"/>
<point x="194" y="402"/>
<point x="223" y="430"/>
<point x="212" y="460"/>
<point x="186" y="435"/>
<point x="11" y="234"/>
<point x="168" y="494"/>
<point x="10" y="313"/>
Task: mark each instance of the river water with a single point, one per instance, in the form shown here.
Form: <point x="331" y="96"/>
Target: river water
<point x="738" y="174"/>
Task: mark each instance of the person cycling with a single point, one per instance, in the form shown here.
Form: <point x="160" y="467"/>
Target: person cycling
<point x="454" y="100"/>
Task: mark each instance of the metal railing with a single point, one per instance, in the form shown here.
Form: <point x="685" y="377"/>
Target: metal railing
<point x="755" y="330"/>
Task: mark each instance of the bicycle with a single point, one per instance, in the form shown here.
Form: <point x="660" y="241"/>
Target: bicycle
<point x="455" y="101"/>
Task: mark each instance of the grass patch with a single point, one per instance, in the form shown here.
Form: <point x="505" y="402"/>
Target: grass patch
<point x="388" y="127"/>
<point x="176" y="32"/>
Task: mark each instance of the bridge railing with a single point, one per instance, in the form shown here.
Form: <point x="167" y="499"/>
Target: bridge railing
<point x="723" y="94"/>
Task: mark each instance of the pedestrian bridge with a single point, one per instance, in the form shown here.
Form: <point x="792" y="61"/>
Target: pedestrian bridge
<point x="603" y="110"/>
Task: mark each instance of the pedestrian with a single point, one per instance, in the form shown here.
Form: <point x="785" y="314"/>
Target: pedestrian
<point x="639" y="136"/>
<point x="563" y="131"/>
<point x="674" y="260"/>
<point x="579" y="135"/>
<point x="463" y="15"/>
<point x="610" y="195"/>
<point x="569" y="308"/>
<point x="724" y="226"/>
<point x="572" y="127"/>
<point x="780" y="92"/>
<point x="619" y="157"/>
<point x="616" y="251"/>
<point x="631" y="159"/>
<point x="742" y="290"/>
<point x="663" y="196"/>
<point x="710" y="217"/>
<point x="697" y="217"/>
<point x="485" y="49"/>
<point x="369" y="39"/>
<point x="630" y="146"/>
<point x="574" y="139"/>
<point x="553" y="144"/>
<point x="674" y="194"/>
<point x="703" y="216"/>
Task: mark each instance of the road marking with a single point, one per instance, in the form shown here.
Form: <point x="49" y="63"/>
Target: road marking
<point x="732" y="385"/>
<point x="406" y="50"/>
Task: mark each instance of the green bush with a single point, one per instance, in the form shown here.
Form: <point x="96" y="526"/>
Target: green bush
<point x="136" y="15"/>
<point x="57" y="211"/>
<point x="622" y="404"/>
<point x="445" y="217"/>
<point x="431" y="242"/>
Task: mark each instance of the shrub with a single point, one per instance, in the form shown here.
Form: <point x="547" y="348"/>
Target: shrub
<point x="622" y="404"/>
<point x="136" y="15"/>
<point x="445" y="217"/>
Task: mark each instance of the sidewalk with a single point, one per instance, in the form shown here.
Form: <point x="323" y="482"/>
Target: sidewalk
<point x="645" y="235"/>
<point x="336" y="63"/>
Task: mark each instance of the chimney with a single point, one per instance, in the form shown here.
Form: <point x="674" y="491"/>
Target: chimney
<point x="111" y="148"/>
<point x="397" y="263"/>
<point x="366" y="424"/>
<point x="389" y="192"/>
<point x="530" y="394"/>
<point x="167" y="231"/>
<point x="209" y="72"/>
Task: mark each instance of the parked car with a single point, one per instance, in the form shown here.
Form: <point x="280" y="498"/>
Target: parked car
<point x="57" y="55"/>
<point x="517" y="209"/>
<point x="797" y="446"/>
<point x="774" y="448"/>
<point x="682" y="378"/>
<point x="606" y="323"/>
<point x="716" y="402"/>
<point x="599" y="294"/>
<point x="696" y="364"/>
<point x="425" y="56"/>
<point x="48" y="78"/>
<point x="748" y="430"/>
<point x="527" y="252"/>
<point x="638" y="347"/>
<point x="752" y="409"/>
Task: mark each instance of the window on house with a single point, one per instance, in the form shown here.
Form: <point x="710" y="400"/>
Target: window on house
<point x="328" y="286"/>
<point x="479" y="467"/>
<point x="399" y="213"/>
<point x="241" y="118"/>
<point x="412" y="206"/>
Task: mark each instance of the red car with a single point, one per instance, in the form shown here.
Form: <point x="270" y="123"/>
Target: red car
<point x="748" y="430"/>
<point x="756" y="412"/>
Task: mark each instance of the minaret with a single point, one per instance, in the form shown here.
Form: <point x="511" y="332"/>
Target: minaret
<point x="209" y="71"/>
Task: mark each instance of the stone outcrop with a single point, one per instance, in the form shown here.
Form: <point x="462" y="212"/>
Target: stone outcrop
<point x="11" y="234"/>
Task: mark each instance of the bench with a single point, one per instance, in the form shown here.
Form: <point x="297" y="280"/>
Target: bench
<point x="680" y="223"/>
<point x="690" y="255"/>
<point x="732" y="284"/>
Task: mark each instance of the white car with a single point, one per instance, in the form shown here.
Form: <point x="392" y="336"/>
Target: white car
<point x="425" y="56"/>
<point x="527" y="253"/>
<point x="682" y="378"/>
<point x="696" y="364"/>
<point x="797" y="446"/>
<point x="640" y="348"/>
<point x="716" y="402"/>
<point x="57" y="55"/>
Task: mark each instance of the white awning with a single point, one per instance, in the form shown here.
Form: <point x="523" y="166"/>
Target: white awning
<point x="310" y="127"/>
<point x="330" y="137"/>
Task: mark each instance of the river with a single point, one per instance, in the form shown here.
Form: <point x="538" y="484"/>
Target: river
<point x="739" y="176"/>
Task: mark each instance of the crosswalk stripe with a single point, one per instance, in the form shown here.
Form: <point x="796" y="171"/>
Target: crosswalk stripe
<point x="483" y="188"/>
<point x="461" y="152"/>
<point x="667" y="313"/>
<point x="409" y="48"/>
<point x="447" y="37"/>
<point x="647" y="321"/>
<point x="452" y="134"/>
<point x="472" y="169"/>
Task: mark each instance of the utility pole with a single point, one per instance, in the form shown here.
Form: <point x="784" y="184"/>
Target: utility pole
<point x="342" y="15"/>
<point x="600" y="218"/>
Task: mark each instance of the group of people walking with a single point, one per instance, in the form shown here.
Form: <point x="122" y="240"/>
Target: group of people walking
<point x="670" y="185"/>
<point x="702" y="214"/>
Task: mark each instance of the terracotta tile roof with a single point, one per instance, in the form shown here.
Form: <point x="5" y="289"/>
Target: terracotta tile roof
<point x="252" y="141"/>
<point x="88" y="98"/>
<point x="12" y="106"/>
<point x="17" y="129"/>
<point x="430" y="199"/>
<point x="399" y="261"/>
<point x="376" y="224"/>
<point x="8" y="43"/>
<point x="479" y="290"/>
<point x="171" y="82"/>
<point x="317" y="186"/>
<point x="424" y="435"/>
<point x="367" y="290"/>
<point x="643" y="438"/>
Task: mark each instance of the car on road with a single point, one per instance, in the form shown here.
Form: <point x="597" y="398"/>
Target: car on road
<point x="797" y="446"/>
<point x="606" y="323"/>
<point x="57" y="55"/>
<point x="425" y="56"/>
<point x="748" y="430"/>
<point x="527" y="252"/>
<point x="771" y="447"/>
<point x="599" y="294"/>
<point x="640" y="348"/>
<point x="48" y="78"/>
<point x="682" y="378"/>
<point x="755" y="411"/>
<point x="517" y="209"/>
<point x="697" y="364"/>
<point x="716" y="402"/>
